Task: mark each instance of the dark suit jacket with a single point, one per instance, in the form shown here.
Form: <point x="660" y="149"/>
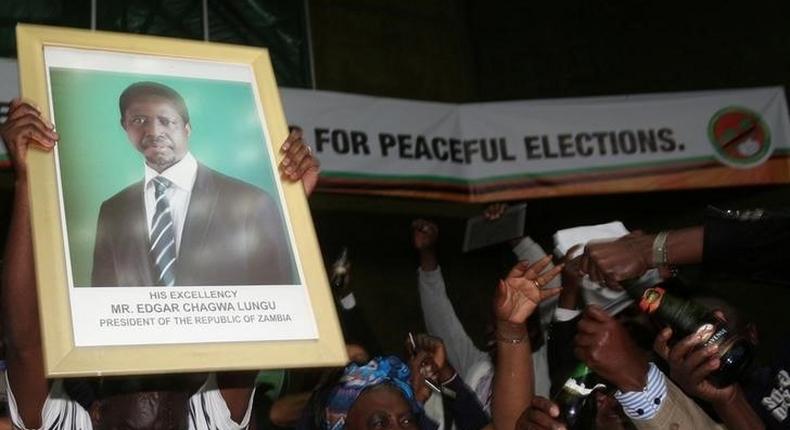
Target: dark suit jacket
<point x="233" y="235"/>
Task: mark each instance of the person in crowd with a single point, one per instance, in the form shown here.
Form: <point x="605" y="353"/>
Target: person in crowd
<point x="517" y="297"/>
<point x="215" y="402"/>
<point x="389" y="393"/>
<point x="286" y="410"/>
<point x="608" y="413"/>
<point x="748" y="243"/>
<point x="474" y="365"/>
<point x="648" y="397"/>
<point x="376" y="395"/>
<point x="429" y="365"/>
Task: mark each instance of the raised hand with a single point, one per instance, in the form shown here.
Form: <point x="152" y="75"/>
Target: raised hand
<point x="298" y="163"/>
<point x="494" y="211"/>
<point x="438" y="353"/>
<point x="26" y="127"/>
<point x="425" y="234"/>
<point x="422" y="366"/>
<point x="520" y="293"/>
<point x="628" y="257"/>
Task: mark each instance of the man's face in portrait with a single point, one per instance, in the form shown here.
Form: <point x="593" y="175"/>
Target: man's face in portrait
<point x="156" y="129"/>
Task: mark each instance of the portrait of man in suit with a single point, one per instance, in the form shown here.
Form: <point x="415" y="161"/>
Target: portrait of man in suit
<point x="183" y="223"/>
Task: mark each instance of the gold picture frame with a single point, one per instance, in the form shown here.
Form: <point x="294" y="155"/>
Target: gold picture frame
<point x="127" y="331"/>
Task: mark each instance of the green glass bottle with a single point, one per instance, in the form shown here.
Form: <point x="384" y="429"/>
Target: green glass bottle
<point x="575" y="410"/>
<point x="686" y="317"/>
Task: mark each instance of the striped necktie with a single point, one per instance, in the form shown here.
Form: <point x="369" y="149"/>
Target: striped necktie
<point x="163" y="239"/>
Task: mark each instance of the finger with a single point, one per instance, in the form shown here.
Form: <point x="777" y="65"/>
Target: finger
<point x="548" y="293"/>
<point x="425" y="342"/>
<point x="546" y="277"/>
<point x="294" y="155"/>
<point x="16" y="101"/>
<point x="31" y="120"/>
<point x="21" y="108"/>
<point x="505" y="295"/>
<point x="519" y="270"/>
<point x="24" y="111"/>
<point x="660" y="345"/>
<point x="41" y="143"/>
<point x="306" y="164"/>
<point x="702" y="372"/>
<point x="699" y="356"/>
<point x="538" y="267"/>
<point x="294" y="136"/>
<point x="545" y="405"/>
<point x="540" y="420"/>
<point x="420" y="357"/>
<point x="33" y="137"/>
<point x="679" y="351"/>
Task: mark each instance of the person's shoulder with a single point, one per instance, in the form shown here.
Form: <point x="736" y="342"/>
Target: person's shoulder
<point x="228" y="184"/>
<point x="126" y="196"/>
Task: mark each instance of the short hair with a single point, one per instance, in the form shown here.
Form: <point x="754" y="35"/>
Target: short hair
<point x="143" y="89"/>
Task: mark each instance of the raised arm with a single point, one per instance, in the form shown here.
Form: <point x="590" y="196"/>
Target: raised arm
<point x="516" y="299"/>
<point x="631" y="256"/>
<point x="24" y="128"/>
<point x="466" y="410"/>
<point x="437" y="310"/>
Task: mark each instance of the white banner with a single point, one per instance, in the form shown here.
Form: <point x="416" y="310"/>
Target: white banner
<point x="491" y="151"/>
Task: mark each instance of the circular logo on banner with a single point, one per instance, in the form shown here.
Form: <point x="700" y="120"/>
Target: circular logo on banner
<point x="740" y="137"/>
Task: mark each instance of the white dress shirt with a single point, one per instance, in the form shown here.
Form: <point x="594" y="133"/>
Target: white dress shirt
<point x="182" y="175"/>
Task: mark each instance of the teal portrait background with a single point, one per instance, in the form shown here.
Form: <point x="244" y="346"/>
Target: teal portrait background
<point x="97" y="160"/>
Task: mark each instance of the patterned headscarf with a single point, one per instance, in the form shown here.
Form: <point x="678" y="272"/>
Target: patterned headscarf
<point x="356" y="379"/>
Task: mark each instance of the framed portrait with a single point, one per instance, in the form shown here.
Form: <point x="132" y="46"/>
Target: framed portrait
<point x="165" y="240"/>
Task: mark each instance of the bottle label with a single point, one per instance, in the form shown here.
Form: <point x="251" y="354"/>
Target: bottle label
<point x="717" y="337"/>
<point x="651" y="299"/>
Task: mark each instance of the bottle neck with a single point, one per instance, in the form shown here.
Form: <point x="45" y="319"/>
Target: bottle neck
<point x="581" y="382"/>
<point x="685" y="316"/>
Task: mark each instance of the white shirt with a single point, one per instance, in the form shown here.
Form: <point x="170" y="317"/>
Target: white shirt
<point x="182" y="175"/>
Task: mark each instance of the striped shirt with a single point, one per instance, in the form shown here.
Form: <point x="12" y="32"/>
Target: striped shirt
<point x="645" y="404"/>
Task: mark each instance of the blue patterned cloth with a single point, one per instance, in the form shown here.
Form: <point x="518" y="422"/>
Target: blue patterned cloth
<point x="356" y="379"/>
